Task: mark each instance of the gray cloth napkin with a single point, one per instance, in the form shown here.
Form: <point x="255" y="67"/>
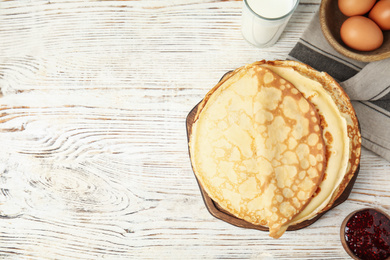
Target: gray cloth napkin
<point x="367" y="84"/>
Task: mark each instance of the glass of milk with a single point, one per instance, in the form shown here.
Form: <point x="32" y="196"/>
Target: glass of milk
<point x="263" y="21"/>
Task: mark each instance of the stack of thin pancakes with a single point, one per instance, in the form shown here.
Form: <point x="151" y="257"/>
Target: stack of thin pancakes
<point x="275" y="143"/>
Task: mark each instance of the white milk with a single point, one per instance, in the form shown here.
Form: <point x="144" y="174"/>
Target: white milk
<point x="271" y="8"/>
<point x="263" y="21"/>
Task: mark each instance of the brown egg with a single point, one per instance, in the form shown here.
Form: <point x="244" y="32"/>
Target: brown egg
<point x="380" y="14"/>
<point x="361" y="33"/>
<point x="355" y="7"/>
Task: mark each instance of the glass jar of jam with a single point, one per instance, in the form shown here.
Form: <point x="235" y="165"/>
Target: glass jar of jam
<point x="365" y="234"/>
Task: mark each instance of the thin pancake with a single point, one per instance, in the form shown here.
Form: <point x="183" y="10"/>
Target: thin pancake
<point x="340" y="128"/>
<point x="257" y="147"/>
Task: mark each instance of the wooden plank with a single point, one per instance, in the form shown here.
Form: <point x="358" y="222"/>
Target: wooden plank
<point x="94" y="160"/>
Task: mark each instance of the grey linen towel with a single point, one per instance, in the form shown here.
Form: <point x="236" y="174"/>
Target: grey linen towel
<point x="367" y="84"/>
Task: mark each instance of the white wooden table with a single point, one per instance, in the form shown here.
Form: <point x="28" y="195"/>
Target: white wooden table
<point x="93" y="158"/>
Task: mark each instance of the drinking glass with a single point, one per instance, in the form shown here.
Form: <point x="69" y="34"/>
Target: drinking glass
<point x="263" y="21"/>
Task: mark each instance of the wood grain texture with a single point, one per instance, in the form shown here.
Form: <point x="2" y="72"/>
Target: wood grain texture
<point x="94" y="161"/>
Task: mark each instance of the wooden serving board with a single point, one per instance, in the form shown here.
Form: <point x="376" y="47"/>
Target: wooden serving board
<point x="220" y="213"/>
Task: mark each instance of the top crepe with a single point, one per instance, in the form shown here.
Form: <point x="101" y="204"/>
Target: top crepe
<point x="258" y="148"/>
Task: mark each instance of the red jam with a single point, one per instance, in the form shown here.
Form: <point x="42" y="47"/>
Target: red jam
<point x="367" y="234"/>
